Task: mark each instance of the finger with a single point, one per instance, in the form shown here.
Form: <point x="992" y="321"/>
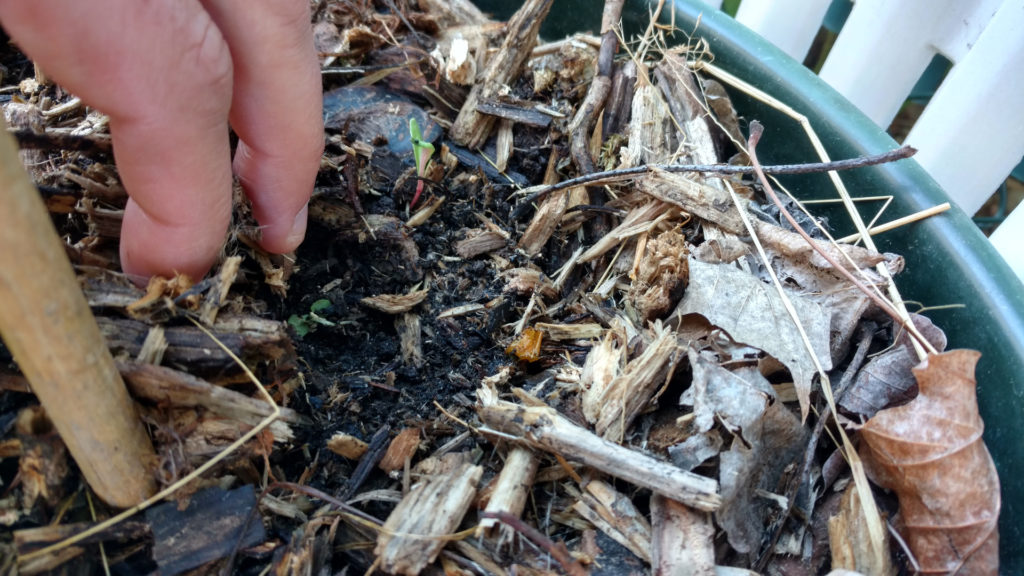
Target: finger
<point x="162" y="72"/>
<point x="276" y="111"/>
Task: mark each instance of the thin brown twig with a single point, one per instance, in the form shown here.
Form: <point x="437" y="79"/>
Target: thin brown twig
<point x="721" y="169"/>
<point x="756" y="129"/>
<point x="593" y="104"/>
<point x="557" y="550"/>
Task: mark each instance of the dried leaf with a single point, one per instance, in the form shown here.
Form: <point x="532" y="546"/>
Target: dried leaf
<point x="930" y="453"/>
<point x="803" y="268"/>
<point x="752" y="313"/>
<point x="793" y="246"/>
<point x="766" y="438"/>
<point x="886" y="380"/>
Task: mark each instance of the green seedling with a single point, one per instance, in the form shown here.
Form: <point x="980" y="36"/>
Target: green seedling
<point x="308" y="322"/>
<point x="422" y="151"/>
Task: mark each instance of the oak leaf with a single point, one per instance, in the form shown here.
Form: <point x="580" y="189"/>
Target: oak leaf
<point x="930" y="453"/>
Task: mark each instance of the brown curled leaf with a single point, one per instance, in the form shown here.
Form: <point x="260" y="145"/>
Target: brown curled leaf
<point x="930" y="453"/>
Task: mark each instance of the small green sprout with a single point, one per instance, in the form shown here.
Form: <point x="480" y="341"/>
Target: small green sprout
<point x="307" y="323"/>
<point x="422" y="151"/>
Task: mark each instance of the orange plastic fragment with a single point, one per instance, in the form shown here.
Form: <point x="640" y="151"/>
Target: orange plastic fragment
<point x="527" y="346"/>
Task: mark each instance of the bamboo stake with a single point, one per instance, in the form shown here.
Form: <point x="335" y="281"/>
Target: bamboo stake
<point x="48" y="327"/>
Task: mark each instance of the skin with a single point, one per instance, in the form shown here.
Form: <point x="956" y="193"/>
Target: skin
<point x="171" y="75"/>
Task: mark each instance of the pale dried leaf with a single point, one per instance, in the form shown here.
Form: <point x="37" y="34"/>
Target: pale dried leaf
<point x="752" y="313"/>
<point x="693" y="451"/>
<point x="770" y="442"/>
<point x="795" y="248"/>
<point x="766" y="438"/>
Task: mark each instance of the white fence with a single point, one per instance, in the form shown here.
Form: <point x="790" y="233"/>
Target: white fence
<point x="971" y="134"/>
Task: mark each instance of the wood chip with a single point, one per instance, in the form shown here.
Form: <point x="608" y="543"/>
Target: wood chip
<point x="395" y="303"/>
<point x="615" y="515"/>
<point x="512" y="488"/>
<point x="479" y="241"/>
<point x="571" y="331"/>
<point x="173" y="388"/>
<point x="416" y="530"/>
<point x="693" y="196"/>
<point x="461" y="67"/>
<point x="402" y="448"/>
<point x="410" y="339"/>
<point x="633" y="390"/>
<point x="683" y="539"/>
<point x="347" y="446"/>
<point x="471" y="128"/>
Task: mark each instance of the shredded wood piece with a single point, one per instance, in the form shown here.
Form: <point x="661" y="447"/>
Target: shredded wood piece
<point x="418" y="528"/>
<point x="395" y="303"/>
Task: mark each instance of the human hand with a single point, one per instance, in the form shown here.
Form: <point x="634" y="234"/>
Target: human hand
<point x="170" y="74"/>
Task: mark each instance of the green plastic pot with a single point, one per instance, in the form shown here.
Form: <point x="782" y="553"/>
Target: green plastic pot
<point x="948" y="260"/>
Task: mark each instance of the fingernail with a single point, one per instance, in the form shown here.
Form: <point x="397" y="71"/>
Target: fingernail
<point x="298" y="229"/>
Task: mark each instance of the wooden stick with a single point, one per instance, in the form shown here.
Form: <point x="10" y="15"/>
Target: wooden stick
<point x="542" y="427"/>
<point x="927" y="212"/>
<point x="49" y="328"/>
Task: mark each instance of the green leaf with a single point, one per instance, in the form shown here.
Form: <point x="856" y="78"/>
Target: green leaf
<point x="301" y="325"/>
<point x="421" y="149"/>
<point x="414" y="131"/>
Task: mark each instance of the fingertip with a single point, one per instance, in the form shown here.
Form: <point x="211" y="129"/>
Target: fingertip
<point x="279" y="188"/>
<point x="153" y="248"/>
<point x="283" y="234"/>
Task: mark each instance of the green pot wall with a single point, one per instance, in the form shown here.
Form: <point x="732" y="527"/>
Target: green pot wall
<point x="948" y="261"/>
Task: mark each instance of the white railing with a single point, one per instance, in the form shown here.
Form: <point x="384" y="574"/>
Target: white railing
<point x="971" y="133"/>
